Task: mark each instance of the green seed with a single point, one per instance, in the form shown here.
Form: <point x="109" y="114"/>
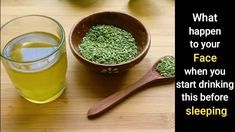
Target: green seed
<point x="106" y="44"/>
<point x="166" y="66"/>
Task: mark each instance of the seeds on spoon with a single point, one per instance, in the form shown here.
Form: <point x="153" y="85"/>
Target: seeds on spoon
<point x="166" y="66"/>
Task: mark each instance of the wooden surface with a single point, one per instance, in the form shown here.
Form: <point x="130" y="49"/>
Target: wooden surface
<point x="150" y="110"/>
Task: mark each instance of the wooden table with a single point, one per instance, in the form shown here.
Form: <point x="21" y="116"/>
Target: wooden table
<point x="150" y="110"/>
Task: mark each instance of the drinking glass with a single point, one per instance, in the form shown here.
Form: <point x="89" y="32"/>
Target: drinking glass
<point x="34" y="55"/>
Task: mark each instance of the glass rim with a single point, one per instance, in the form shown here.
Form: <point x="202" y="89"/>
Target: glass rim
<point x="62" y="40"/>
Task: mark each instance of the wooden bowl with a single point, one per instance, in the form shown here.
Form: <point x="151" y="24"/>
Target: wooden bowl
<point x="117" y="19"/>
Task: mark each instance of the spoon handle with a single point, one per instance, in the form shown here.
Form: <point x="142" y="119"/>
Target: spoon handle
<point x="119" y="96"/>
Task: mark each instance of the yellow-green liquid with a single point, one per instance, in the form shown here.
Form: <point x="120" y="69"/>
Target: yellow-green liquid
<point x="38" y="81"/>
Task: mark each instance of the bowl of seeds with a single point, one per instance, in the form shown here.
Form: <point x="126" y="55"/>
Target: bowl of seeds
<point x="109" y="42"/>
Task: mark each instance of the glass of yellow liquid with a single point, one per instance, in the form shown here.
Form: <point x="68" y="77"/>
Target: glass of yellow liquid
<point x="34" y="56"/>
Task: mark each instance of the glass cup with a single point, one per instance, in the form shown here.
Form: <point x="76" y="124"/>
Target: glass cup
<point x="34" y="56"/>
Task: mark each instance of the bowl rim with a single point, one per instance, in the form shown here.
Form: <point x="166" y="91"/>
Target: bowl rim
<point x="146" y="48"/>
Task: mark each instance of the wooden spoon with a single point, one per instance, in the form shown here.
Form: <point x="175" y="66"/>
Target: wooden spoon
<point x="114" y="99"/>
